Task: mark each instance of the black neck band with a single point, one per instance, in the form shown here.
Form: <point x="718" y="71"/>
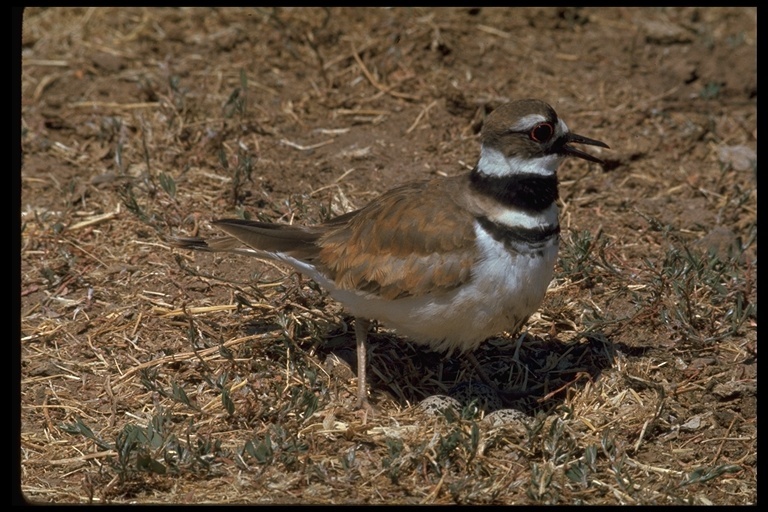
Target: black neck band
<point x="527" y="192"/>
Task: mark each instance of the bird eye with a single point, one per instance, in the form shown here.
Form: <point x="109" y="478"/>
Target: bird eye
<point x="542" y="132"/>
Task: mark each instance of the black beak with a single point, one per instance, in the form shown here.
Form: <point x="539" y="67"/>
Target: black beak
<point x="580" y="139"/>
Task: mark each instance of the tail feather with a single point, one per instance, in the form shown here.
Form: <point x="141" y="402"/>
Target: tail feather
<point x="219" y="244"/>
<point x="276" y="238"/>
<point x="259" y="239"/>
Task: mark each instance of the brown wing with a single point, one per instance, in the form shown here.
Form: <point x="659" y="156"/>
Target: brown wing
<point x="413" y="240"/>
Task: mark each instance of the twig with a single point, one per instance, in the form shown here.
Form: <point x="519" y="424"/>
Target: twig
<point x="362" y="112"/>
<point x="579" y="376"/>
<point x="494" y="31"/>
<point x="98" y="219"/>
<point x="725" y="438"/>
<point x="421" y="114"/>
<point x="306" y="148"/>
<point x="112" y="104"/>
<point x="385" y="90"/>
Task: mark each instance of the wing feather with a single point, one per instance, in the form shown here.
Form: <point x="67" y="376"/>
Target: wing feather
<point x="412" y="241"/>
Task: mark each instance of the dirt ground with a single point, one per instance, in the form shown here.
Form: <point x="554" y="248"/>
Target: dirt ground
<point x="152" y="375"/>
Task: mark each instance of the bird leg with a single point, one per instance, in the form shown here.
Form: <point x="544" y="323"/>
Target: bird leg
<point x="361" y="337"/>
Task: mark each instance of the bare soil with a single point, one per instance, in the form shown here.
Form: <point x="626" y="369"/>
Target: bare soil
<point x="151" y="375"/>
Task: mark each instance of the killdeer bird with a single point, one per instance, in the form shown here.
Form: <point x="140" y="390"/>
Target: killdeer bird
<point x="447" y="262"/>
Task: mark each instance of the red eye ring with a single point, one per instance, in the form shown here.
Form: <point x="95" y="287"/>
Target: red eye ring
<point x="542" y="132"/>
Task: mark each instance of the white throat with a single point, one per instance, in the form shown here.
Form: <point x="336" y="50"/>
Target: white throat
<point x="493" y="163"/>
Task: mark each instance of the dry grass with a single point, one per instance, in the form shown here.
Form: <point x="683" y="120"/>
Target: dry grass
<point x="151" y="375"/>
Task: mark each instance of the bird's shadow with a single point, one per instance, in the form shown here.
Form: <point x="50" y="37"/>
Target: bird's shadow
<point x="532" y="373"/>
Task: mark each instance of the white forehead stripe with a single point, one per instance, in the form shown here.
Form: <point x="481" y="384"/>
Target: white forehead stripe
<point x="527" y="122"/>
